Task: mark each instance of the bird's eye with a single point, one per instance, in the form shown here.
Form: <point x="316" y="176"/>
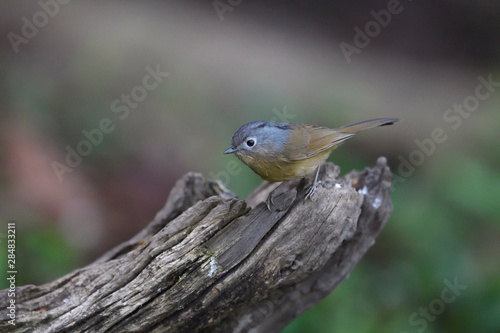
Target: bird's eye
<point x="250" y="142"/>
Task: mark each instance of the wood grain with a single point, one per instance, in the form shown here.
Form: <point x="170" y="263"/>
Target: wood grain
<point x="210" y="262"/>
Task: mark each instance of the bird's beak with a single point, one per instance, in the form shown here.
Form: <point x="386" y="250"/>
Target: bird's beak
<point x="230" y="150"/>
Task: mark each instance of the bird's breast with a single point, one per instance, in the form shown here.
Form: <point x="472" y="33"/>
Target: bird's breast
<point x="280" y="169"/>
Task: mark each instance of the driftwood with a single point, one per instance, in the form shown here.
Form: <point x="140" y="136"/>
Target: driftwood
<point x="210" y="262"/>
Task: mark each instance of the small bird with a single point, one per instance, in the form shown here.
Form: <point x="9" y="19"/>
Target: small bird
<point x="279" y="152"/>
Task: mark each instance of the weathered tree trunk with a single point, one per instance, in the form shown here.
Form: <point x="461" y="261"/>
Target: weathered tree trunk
<point x="210" y="263"/>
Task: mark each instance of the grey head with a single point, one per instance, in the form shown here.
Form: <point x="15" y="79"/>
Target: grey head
<point x="260" y="138"/>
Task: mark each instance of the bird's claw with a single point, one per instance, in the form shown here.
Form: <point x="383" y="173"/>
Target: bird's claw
<point x="312" y="189"/>
<point x="270" y="201"/>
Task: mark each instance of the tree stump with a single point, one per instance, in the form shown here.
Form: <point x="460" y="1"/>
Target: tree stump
<point x="210" y="262"/>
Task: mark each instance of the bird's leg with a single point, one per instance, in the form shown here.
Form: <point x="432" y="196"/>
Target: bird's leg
<point x="270" y="197"/>
<point x="312" y="188"/>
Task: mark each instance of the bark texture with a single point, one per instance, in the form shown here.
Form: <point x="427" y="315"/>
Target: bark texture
<point x="210" y="262"/>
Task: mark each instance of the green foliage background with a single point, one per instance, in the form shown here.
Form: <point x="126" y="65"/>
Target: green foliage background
<point x="446" y="220"/>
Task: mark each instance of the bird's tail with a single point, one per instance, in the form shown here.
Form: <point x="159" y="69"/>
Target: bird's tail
<point x="367" y="124"/>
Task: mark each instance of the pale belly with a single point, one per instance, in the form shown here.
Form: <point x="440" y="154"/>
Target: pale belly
<point x="282" y="170"/>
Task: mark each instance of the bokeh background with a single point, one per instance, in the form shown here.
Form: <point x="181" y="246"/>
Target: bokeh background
<point x="260" y="60"/>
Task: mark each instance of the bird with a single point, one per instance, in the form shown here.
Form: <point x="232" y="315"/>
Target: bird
<point x="279" y="152"/>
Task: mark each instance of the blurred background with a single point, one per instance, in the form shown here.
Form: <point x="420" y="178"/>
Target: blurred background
<point x="104" y="105"/>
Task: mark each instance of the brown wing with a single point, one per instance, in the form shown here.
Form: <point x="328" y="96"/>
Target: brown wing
<point x="309" y="140"/>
